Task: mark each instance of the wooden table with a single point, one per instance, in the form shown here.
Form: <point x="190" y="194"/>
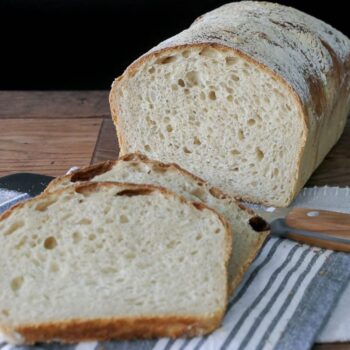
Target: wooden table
<point x="48" y="132"/>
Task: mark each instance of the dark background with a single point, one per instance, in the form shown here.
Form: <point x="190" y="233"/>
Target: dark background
<point x="76" y="44"/>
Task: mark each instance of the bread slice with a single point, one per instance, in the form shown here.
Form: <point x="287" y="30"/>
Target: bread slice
<point x="249" y="231"/>
<point x="99" y="261"/>
<point x="251" y="97"/>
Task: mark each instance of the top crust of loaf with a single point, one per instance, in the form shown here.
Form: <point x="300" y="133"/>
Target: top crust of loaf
<point x="72" y="331"/>
<point x="301" y="51"/>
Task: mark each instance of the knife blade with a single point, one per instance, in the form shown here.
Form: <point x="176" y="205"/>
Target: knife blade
<point x="32" y="184"/>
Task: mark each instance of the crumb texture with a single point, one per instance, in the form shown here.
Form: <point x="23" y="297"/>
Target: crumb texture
<point x="136" y="168"/>
<point x="94" y="253"/>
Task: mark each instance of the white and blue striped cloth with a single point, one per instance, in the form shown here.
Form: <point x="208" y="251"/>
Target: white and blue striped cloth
<point x="284" y="301"/>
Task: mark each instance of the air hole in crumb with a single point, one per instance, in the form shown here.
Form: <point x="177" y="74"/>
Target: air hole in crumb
<point x="54" y="267"/>
<point x="16" y="283"/>
<point x="186" y="150"/>
<point x="231" y="60"/>
<point x="151" y="70"/>
<point x="21" y="243"/>
<point x="192" y="78"/>
<point x="147" y="148"/>
<point x="50" y="243"/>
<point x="186" y="53"/>
<point x="194" y="252"/>
<point x="235" y="152"/>
<point x="212" y="95"/>
<point x="196" y="141"/>
<point x="130" y="256"/>
<point x="207" y="52"/>
<point x="85" y="221"/>
<point x="92" y="237"/>
<point x="181" y="82"/>
<point x="202" y="95"/>
<point x="251" y="122"/>
<point x="241" y="134"/>
<point x="199" y="237"/>
<point x="5" y="312"/>
<point x="15" y="226"/>
<point x="166" y="60"/>
<point x="234" y="77"/>
<point x="259" y="153"/>
<point x="288" y="107"/>
<point x="186" y="91"/>
<point x="229" y="98"/>
<point x="275" y="172"/>
<point x="174" y="87"/>
<point x="217" y="231"/>
<point x="44" y="205"/>
<point x="123" y="219"/>
<point x="171" y="244"/>
<point x="76" y="237"/>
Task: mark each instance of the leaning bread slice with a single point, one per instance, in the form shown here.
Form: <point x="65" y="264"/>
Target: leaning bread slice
<point x="249" y="231"/>
<point x="108" y="260"/>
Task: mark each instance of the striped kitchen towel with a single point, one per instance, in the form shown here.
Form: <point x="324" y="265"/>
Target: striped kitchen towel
<point x="283" y="302"/>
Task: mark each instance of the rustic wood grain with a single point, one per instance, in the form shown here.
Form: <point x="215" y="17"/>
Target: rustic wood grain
<point x="335" y="169"/>
<point x="54" y="104"/>
<point x="106" y="145"/>
<point x="46" y="146"/>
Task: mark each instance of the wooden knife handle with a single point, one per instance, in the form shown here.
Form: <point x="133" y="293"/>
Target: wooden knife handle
<point x="322" y="221"/>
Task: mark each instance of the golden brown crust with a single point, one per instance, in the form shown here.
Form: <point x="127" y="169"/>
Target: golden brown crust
<point x="72" y="331"/>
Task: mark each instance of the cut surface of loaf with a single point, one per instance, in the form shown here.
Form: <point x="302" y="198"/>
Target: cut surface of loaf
<point x="109" y="260"/>
<point x="248" y="231"/>
<point x="251" y="97"/>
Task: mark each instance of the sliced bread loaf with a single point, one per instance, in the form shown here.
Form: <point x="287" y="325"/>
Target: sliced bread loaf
<point x="251" y="97"/>
<point x="109" y="260"/>
<point x="249" y="231"/>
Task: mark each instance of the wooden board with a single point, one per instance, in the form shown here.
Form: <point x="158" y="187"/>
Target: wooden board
<point x="46" y="146"/>
<point x="54" y="104"/>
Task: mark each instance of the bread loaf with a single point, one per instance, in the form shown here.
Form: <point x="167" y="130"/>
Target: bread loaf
<point x="107" y="260"/>
<point x="251" y="97"/>
<point x="249" y="231"/>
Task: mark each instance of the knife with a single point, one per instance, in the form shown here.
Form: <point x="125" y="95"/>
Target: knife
<point x="321" y="228"/>
<point x="32" y="184"/>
